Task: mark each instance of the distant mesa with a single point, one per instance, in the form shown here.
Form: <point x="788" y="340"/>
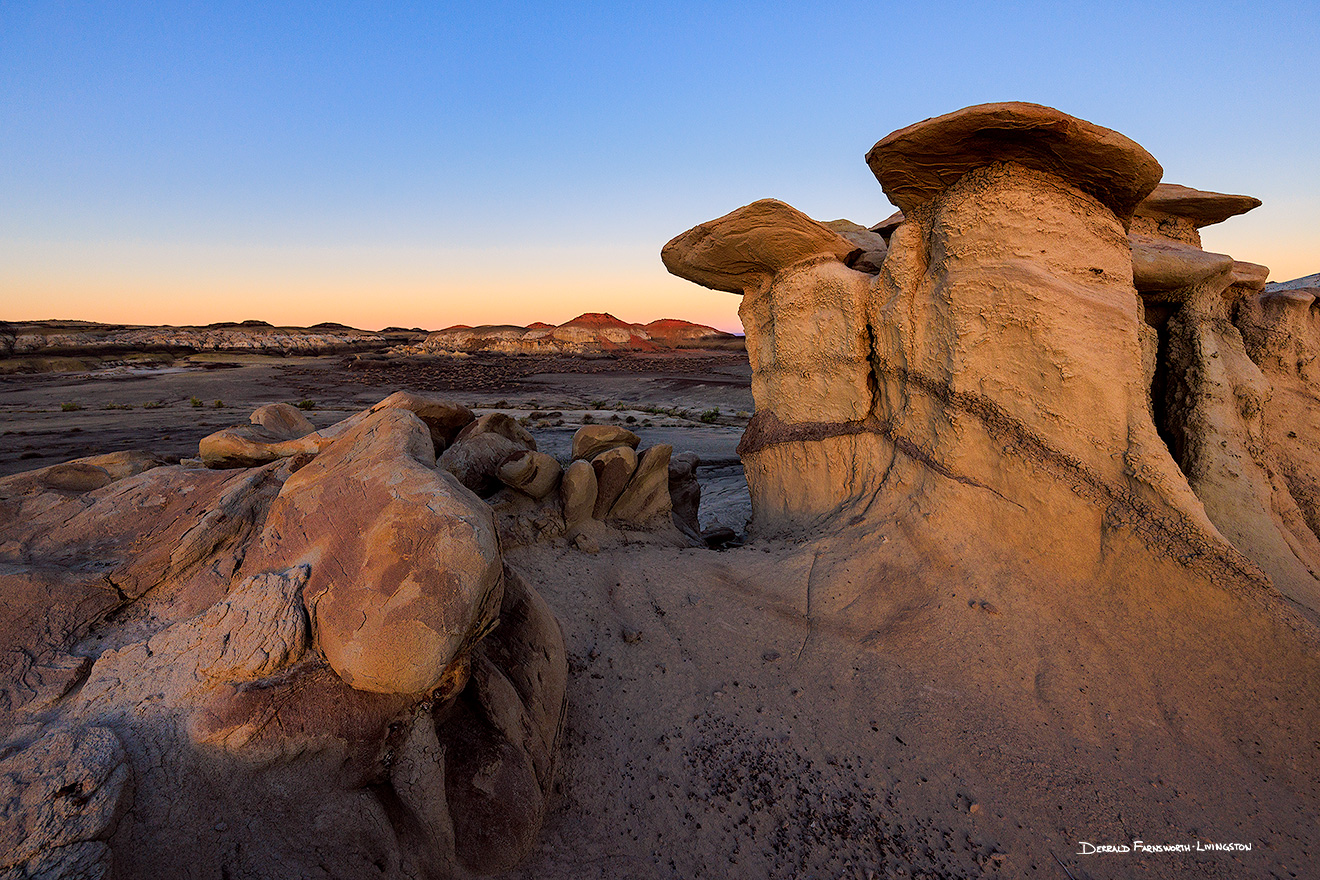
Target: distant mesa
<point x="591" y="333"/>
<point x="44" y="339"/>
<point x="1306" y="281"/>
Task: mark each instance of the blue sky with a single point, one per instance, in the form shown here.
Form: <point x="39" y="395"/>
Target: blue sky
<point x="426" y="164"/>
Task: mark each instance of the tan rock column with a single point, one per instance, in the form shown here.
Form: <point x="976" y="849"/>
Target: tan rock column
<point x="803" y="311"/>
<point x="1208" y="396"/>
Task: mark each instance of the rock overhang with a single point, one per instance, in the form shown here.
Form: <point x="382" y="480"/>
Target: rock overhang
<point x="1199" y="207"/>
<point x="746" y="247"/>
<point x="917" y="163"/>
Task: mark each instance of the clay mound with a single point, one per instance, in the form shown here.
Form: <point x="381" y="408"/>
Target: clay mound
<point x="42" y="338"/>
<point x="597" y="321"/>
<point x="674" y="333"/>
<point x="589" y="333"/>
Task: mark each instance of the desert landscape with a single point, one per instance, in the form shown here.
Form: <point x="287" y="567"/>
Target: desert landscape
<point x="989" y="551"/>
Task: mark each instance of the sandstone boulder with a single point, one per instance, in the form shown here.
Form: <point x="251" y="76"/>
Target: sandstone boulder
<point x="886" y="227"/>
<point x="502" y="424"/>
<point x="872" y="245"/>
<point x="590" y="441"/>
<point x="614" y="468"/>
<point x="81" y="474"/>
<point x="282" y="420"/>
<point x="382" y="625"/>
<point x="252" y="445"/>
<point x="577" y="493"/>
<point x="646" y="497"/>
<point x="75" y="477"/>
<point x="443" y="418"/>
<point x="64" y="796"/>
<point x="685" y="493"/>
<point x="212" y="615"/>
<point x="533" y="473"/>
<point x="475" y="461"/>
<point x="1163" y="264"/>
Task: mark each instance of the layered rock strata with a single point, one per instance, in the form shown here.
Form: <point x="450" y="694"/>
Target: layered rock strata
<point x="996" y="376"/>
<point x="1208" y="397"/>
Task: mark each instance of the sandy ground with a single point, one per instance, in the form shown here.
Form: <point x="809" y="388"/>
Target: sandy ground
<point x="923" y="716"/>
<point x="53" y="417"/>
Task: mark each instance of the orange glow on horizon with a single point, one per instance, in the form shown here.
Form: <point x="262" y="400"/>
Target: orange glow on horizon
<point x="365" y="288"/>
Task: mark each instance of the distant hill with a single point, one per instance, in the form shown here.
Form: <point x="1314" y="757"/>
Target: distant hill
<point x="1295" y="284"/>
<point x="589" y="333"/>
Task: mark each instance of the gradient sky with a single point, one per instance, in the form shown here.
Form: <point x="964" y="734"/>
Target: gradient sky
<point x="429" y="164"/>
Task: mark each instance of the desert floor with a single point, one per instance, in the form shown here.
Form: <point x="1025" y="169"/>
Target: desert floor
<point x="939" y="722"/>
<point x="47" y="418"/>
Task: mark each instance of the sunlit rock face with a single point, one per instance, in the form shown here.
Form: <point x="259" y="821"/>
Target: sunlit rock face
<point x="1208" y="398"/>
<point x="320" y="666"/>
<point x="1046" y="355"/>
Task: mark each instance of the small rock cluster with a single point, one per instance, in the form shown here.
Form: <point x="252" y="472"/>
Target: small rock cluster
<point x="309" y="659"/>
<point x="608" y="482"/>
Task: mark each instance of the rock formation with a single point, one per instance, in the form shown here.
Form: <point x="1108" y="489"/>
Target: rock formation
<point x="1208" y="397"/>
<point x="318" y="666"/>
<point x="995" y="378"/>
<point x="44" y="338"/>
<point x="589" y="334"/>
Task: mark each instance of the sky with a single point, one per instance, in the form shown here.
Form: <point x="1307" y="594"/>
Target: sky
<point x="422" y="165"/>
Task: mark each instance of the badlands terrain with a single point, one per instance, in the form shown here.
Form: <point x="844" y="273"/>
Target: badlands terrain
<point x="994" y="555"/>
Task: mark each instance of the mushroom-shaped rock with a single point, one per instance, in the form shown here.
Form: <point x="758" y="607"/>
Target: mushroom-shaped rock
<point x="282" y="420"/>
<point x="590" y="441"/>
<point x="647" y="494"/>
<point x="614" y="468"/>
<point x="1005" y="297"/>
<point x="1282" y="332"/>
<point x="1198" y="207"/>
<point x="532" y="473"/>
<point x="405" y="563"/>
<point x="799" y="308"/>
<point x="577" y="491"/>
<point x="917" y="163"/>
<point x="499" y="423"/>
<point x="743" y="250"/>
<point x="1163" y="264"/>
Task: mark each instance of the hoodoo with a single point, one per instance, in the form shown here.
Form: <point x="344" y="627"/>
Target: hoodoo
<point x="1023" y="370"/>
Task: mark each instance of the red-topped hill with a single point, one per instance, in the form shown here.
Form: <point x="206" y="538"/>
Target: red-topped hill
<point x="588" y="333"/>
